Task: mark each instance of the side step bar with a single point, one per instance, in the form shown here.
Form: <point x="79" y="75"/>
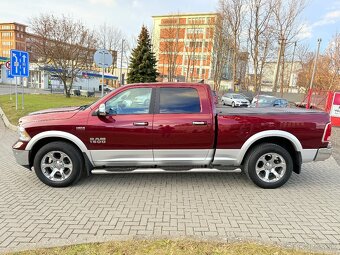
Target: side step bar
<point x="158" y="170"/>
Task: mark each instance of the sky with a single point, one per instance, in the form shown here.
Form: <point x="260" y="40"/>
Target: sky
<point x="320" y="19"/>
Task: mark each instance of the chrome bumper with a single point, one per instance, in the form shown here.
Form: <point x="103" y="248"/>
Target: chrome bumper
<point x="323" y="154"/>
<point x="21" y="156"/>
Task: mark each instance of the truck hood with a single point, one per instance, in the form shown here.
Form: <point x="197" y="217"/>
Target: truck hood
<point x="50" y="114"/>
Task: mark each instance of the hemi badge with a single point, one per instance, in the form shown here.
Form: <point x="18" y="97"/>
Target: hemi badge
<point x="80" y="128"/>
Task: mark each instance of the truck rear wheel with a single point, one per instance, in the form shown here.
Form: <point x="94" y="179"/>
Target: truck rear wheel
<point x="58" y="164"/>
<point x="269" y="165"/>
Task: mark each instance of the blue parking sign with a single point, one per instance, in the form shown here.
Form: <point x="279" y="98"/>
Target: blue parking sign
<point x="19" y="63"/>
<point x="9" y="76"/>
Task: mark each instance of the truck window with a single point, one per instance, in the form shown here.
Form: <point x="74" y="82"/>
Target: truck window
<point x="179" y="100"/>
<point x="131" y="101"/>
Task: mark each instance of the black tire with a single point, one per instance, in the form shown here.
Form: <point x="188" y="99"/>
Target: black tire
<point x="233" y="104"/>
<point x="256" y="153"/>
<point x="71" y="152"/>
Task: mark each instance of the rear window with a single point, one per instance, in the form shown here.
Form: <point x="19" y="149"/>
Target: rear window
<point x="179" y="100"/>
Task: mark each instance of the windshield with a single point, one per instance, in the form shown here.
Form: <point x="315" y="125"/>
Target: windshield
<point x="237" y="96"/>
<point x="266" y="100"/>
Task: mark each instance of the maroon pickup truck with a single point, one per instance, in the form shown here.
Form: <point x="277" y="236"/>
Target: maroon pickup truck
<point x="173" y="127"/>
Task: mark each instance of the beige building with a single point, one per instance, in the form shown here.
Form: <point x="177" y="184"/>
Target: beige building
<point x="12" y="36"/>
<point x="290" y="76"/>
<point x="183" y="44"/>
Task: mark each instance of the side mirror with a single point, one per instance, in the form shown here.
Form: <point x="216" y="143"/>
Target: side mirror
<point x="102" y="110"/>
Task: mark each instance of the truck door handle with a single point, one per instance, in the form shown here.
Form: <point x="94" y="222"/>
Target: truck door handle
<point x="141" y="123"/>
<point x="199" y="123"/>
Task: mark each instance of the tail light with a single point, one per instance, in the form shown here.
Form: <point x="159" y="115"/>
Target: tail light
<point x="327" y="133"/>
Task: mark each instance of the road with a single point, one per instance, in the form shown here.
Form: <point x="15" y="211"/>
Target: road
<point x="7" y="89"/>
<point x="304" y="213"/>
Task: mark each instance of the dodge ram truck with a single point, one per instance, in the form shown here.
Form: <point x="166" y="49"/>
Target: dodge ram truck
<point x="170" y="127"/>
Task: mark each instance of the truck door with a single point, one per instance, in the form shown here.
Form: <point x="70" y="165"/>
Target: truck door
<point x="124" y="136"/>
<point x="183" y="130"/>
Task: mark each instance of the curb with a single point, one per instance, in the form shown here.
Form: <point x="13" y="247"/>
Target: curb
<point x="6" y="121"/>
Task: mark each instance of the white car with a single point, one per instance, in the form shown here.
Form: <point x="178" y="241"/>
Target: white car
<point x="234" y="100"/>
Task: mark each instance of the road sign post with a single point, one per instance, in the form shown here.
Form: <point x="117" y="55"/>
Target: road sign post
<point x="9" y="76"/>
<point x="19" y="67"/>
<point x="103" y="58"/>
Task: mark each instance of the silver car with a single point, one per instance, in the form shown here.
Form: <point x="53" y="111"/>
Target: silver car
<point x="234" y="100"/>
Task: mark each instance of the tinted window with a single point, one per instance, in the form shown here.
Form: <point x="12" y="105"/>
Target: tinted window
<point x="131" y="101"/>
<point x="179" y="100"/>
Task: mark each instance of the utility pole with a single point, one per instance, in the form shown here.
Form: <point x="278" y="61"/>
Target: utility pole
<point x="121" y="63"/>
<point x="277" y="69"/>
<point x="310" y="92"/>
<point x="291" y="67"/>
<point x="315" y="62"/>
<point x="103" y="69"/>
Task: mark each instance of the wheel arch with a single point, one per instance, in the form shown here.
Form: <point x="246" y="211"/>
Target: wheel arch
<point x="282" y="138"/>
<point x="52" y="136"/>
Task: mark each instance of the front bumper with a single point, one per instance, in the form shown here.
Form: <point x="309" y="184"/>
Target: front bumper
<point x="22" y="157"/>
<point x="323" y="154"/>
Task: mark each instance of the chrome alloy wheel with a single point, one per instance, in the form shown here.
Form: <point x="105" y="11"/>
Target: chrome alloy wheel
<point x="270" y="167"/>
<point x="56" y="166"/>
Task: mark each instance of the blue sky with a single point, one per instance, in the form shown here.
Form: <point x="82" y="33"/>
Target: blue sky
<point x="321" y="18"/>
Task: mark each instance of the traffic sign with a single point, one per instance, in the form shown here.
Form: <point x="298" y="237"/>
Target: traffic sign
<point x="19" y="63"/>
<point x="9" y="76"/>
<point x="103" y="58"/>
<point x="8" y="65"/>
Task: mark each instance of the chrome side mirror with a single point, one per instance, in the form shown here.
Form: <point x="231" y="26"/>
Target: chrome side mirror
<point x="102" y="110"/>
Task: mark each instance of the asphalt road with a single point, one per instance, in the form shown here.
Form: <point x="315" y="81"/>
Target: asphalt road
<point x="304" y="213"/>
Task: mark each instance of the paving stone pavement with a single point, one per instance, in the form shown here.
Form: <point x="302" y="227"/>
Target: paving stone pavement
<point x="225" y="207"/>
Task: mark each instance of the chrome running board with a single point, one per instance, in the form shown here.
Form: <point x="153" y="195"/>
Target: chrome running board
<point x="158" y="170"/>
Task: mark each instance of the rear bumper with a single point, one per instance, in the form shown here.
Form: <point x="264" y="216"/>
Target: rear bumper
<point x="323" y="154"/>
<point x="21" y="157"/>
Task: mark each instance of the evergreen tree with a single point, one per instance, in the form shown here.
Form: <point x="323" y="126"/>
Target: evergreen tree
<point x="143" y="60"/>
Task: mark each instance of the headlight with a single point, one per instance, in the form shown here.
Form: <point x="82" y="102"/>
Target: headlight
<point x="23" y="135"/>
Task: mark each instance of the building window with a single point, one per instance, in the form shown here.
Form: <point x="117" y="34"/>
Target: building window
<point x="6" y="34"/>
<point x="5" y="53"/>
<point x="195" y="30"/>
<point x="7" y="43"/>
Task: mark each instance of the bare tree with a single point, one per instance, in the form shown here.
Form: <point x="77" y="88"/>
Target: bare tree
<point x="190" y="45"/>
<point x="286" y="13"/>
<point x="169" y="46"/>
<point x="64" y="46"/>
<point x="260" y="36"/>
<point x="233" y="13"/>
<point x="333" y="54"/>
<point x="221" y="51"/>
<point x="110" y="38"/>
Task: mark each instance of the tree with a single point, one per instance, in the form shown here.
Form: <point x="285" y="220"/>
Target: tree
<point x="221" y="51"/>
<point x="62" y="46"/>
<point x="170" y="46"/>
<point x="233" y="13"/>
<point x="143" y="60"/>
<point x="260" y="33"/>
<point x="286" y="14"/>
<point x="113" y="43"/>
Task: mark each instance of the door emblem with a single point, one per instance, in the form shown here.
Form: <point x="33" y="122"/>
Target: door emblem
<point x="97" y="140"/>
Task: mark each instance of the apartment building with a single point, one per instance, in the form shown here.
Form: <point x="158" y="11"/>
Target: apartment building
<point x="183" y="44"/>
<point x="12" y="36"/>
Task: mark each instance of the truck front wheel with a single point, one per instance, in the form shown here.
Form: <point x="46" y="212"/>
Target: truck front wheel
<point x="58" y="164"/>
<point x="269" y="165"/>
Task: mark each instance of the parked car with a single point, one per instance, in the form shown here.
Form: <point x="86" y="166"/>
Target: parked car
<point x="234" y="100"/>
<point x="268" y="101"/>
<point x="179" y="130"/>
